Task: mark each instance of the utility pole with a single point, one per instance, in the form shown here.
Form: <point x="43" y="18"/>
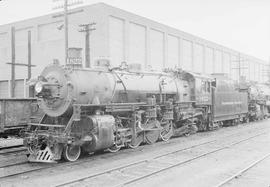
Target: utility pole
<point x="29" y="55"/>
<point x="266" y="77"/>
<point x="66" y="4"/>
<point x="87" y="28"/>
<point x="66" y="30"/>
<point x="13" y="59"/>
<point x="13" y="62"/>
<point x="239" y="68"/>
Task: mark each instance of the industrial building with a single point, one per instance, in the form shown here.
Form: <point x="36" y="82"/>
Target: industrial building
<point x="119" y="36"/>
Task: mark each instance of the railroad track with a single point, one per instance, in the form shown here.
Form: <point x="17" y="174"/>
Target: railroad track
<point x="3" y="149"/>
<point x="241" y="172"/>
<point x="11" y="142"/>
<point x="13" y="149"/>
<point x="12" y="156"/>
<point x="24" y="168"/>
<point x="146" y="167"/>
<point x="37" y="167"/>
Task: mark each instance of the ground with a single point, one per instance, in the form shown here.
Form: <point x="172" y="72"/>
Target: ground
<point x="232" y="156"/>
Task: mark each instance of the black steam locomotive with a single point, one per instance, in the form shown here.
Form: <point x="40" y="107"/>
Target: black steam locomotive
<point x="107" y="109"/>
<point x="258" y="100"/>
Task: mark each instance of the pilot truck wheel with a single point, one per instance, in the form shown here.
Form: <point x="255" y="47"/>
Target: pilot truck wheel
<point x="71" y="153"/>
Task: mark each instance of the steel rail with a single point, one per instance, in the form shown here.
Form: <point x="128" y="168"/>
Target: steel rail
<point x="14" y="164"/>
<point x="243" y="170"/>
<point x="10" y="147"/>
<point x="13" y="150"/>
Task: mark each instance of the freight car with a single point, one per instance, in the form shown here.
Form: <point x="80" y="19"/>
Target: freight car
<point x="16" y="113"/>
<point x="102" y="108"/>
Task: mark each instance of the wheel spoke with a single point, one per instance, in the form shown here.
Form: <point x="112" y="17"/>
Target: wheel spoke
<point x="137" y="142"/>
<point x="152" y="136"/>
<point x="167" y="132"/>
<point x="71" y="152"/>
<point x="114" y="149"/>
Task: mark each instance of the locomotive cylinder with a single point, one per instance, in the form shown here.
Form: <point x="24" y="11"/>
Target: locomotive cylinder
<point x="102" y="133"/>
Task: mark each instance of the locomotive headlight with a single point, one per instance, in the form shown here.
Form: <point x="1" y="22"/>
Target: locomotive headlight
<point x="39" y="87"/>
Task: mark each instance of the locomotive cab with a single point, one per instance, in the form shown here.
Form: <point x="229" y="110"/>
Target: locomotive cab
<point x="203" y="90"/>
<point x="196" y="88"/>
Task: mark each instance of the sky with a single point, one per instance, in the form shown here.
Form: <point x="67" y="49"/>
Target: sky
<point x="243" y="25"/>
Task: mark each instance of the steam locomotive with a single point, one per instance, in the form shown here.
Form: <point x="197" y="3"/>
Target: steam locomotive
<point x="102" y="108"/>
<point x="258" y="101"/>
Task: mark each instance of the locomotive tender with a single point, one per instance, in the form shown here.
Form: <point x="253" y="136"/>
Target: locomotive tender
<point x="107" y="109"/>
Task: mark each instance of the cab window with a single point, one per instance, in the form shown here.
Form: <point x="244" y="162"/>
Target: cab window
<point x="205" y="86"/>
